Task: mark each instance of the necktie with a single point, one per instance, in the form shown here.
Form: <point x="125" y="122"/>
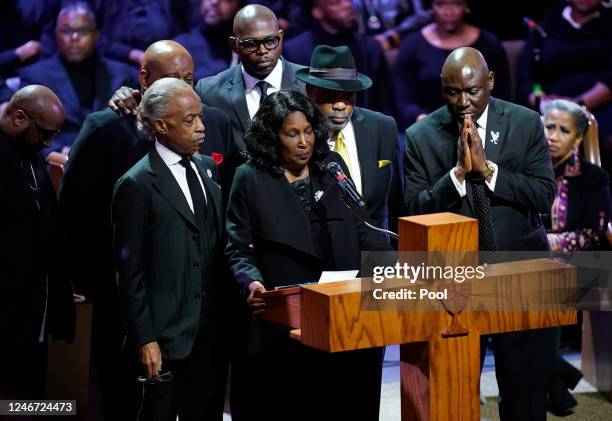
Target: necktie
<point x="341" y="149"/>
<point x="197" y="194"/>
<point x="263" y="86"/>
<point x="482" y="211"/>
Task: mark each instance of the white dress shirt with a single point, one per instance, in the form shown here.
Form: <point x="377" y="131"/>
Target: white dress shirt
<point x="253" y="93"/>
<point x="172" y="160"/>
<point x="481" y="127"/>
<point x="348" y="133"/>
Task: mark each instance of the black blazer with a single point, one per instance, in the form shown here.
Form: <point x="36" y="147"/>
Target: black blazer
<point x="107" y="146"/>
<point x="271" y="239"/>
<point x="110" y="76"/>
<point x="376" y="139"/>
<point x="226" y="92"/>
<point x="160" y="259"/>
<point x="32" y="255"/>
<point x="525" y="184"/>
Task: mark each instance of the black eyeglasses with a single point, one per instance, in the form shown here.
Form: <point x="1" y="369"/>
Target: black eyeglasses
<point x="162" y="378"/>
<point x="252" y="45"/>
<point x="82" y="32"/>
<point x="43" y="134"/>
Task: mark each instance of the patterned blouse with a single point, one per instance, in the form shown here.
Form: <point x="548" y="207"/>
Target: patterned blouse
<point x="561" y="237"/>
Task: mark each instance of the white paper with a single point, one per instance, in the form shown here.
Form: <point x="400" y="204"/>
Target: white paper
<point x="337" y="275"/>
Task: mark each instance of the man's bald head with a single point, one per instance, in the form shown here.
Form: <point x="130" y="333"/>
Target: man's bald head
<point x="251" y="17"/>
<point x="257" y="40"/>
<point x="166" y="58"/>
<point x="466" y="82"/>
<point x="32" y="117"/>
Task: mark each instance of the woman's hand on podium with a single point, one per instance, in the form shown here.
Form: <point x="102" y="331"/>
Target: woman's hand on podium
<point x="257" y="304"/>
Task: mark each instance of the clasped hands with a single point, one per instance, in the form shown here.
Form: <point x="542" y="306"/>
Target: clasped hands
<point x="470" y="151"/>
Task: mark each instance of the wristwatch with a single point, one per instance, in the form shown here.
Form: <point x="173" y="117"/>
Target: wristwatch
<point x="489" y="169"/>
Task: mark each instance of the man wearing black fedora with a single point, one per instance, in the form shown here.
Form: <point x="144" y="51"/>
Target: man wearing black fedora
<point x="365" y="139"/>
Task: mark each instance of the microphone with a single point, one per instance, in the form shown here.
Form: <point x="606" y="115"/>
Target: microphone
<point x="534" y="27"/>
<point x="346" y="185"/>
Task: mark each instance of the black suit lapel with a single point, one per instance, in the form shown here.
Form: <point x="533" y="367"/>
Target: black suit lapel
<point x="166" y="184"/>
<point x="58" y="77"/>
<point x="366" y="152"/>
<point x="237" y="97"/>
<point x="495" y="133"/>
<point x="213" y="193"/>
<point x="283" y="204"/>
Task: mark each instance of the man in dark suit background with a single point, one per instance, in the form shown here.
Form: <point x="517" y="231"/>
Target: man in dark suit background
<point x="368" y="141"/>
<point x="238" y="90"/>
<point x="446" y="170"/>
<point x="336" y="24"/>
<point x="35" y="294"/>
<point x="208" y="39"/>
<point x="81" y="78"/>
<point x="168" y="224"/>
<point x="107" y="146"/>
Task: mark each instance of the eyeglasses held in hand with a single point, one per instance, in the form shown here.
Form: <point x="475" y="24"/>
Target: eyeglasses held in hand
<point x="162" y="378"/>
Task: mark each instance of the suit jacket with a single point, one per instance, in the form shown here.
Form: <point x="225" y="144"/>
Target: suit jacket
<point x="376" y="139"/>
<point x="525" y="185"/>
<point x="32" y="254"/>
<point x="160" y="256"/>
<point x="107" y="146"/>
<point x="110" y="75"/>
<point x="226" y="92"/>
<point x="272" y="239"/>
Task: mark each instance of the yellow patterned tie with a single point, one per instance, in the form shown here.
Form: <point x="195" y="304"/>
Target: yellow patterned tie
<point x="341" y="149"/>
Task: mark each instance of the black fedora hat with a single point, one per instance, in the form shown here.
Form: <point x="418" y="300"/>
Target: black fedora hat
<point x="333" y="68"/>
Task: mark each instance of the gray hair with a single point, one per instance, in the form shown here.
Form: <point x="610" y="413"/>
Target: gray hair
<point x="580" y="117"/>
<point x="155" y="102"/>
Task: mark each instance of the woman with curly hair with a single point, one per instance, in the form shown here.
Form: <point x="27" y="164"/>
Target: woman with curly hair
<point x="286" y="223"/>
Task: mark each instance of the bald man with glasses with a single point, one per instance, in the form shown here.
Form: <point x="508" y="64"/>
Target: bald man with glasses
<point x="35" y="295"/>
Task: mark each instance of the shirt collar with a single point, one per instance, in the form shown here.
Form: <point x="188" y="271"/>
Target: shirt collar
<point x="482" y="120"/>
<point x="168" y="156"/>
<point x="567" y="15"/>
<point x="274" y="78"/>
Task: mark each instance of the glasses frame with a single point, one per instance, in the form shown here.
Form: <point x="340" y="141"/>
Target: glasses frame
<point x="43" y="134"/>
<point x="162" y="378"/>
<point x="258" y="42"/>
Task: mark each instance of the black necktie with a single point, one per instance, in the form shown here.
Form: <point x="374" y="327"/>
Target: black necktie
<point x="482" y="211"/>
<point x="263" y="86"/>
<point x="197" y="194"/>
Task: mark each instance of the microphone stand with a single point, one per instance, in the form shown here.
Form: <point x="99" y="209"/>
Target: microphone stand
<point x="363" y="218"/>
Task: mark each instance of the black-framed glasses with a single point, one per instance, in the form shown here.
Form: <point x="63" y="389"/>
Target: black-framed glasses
<point x="43" y="134"/>
<point x="81" y="32"/>
<point x="162" y="378"/>
<point x="251" y="45"/>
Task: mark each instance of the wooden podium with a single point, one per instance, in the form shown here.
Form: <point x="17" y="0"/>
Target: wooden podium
<point x="439" y="352"/>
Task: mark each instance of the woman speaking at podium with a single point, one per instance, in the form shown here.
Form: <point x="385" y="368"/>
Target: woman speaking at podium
<point x="287" y="223"/>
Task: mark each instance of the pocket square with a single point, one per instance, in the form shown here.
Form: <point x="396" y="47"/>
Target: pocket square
<point x="383" y="163"/>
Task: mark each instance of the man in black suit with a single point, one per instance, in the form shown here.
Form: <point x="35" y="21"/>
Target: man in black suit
<point x="168" y="221"/>
<point x="81" y="78"/>
<point x="35" y="295"/>
<point x="207" y="41"/>
<point x="107" y="146"/>
<point x="238" y="90"/>
<point x="446" y="170"/>
<point x="335" y="25"/>
<point x="366" y="140"/>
